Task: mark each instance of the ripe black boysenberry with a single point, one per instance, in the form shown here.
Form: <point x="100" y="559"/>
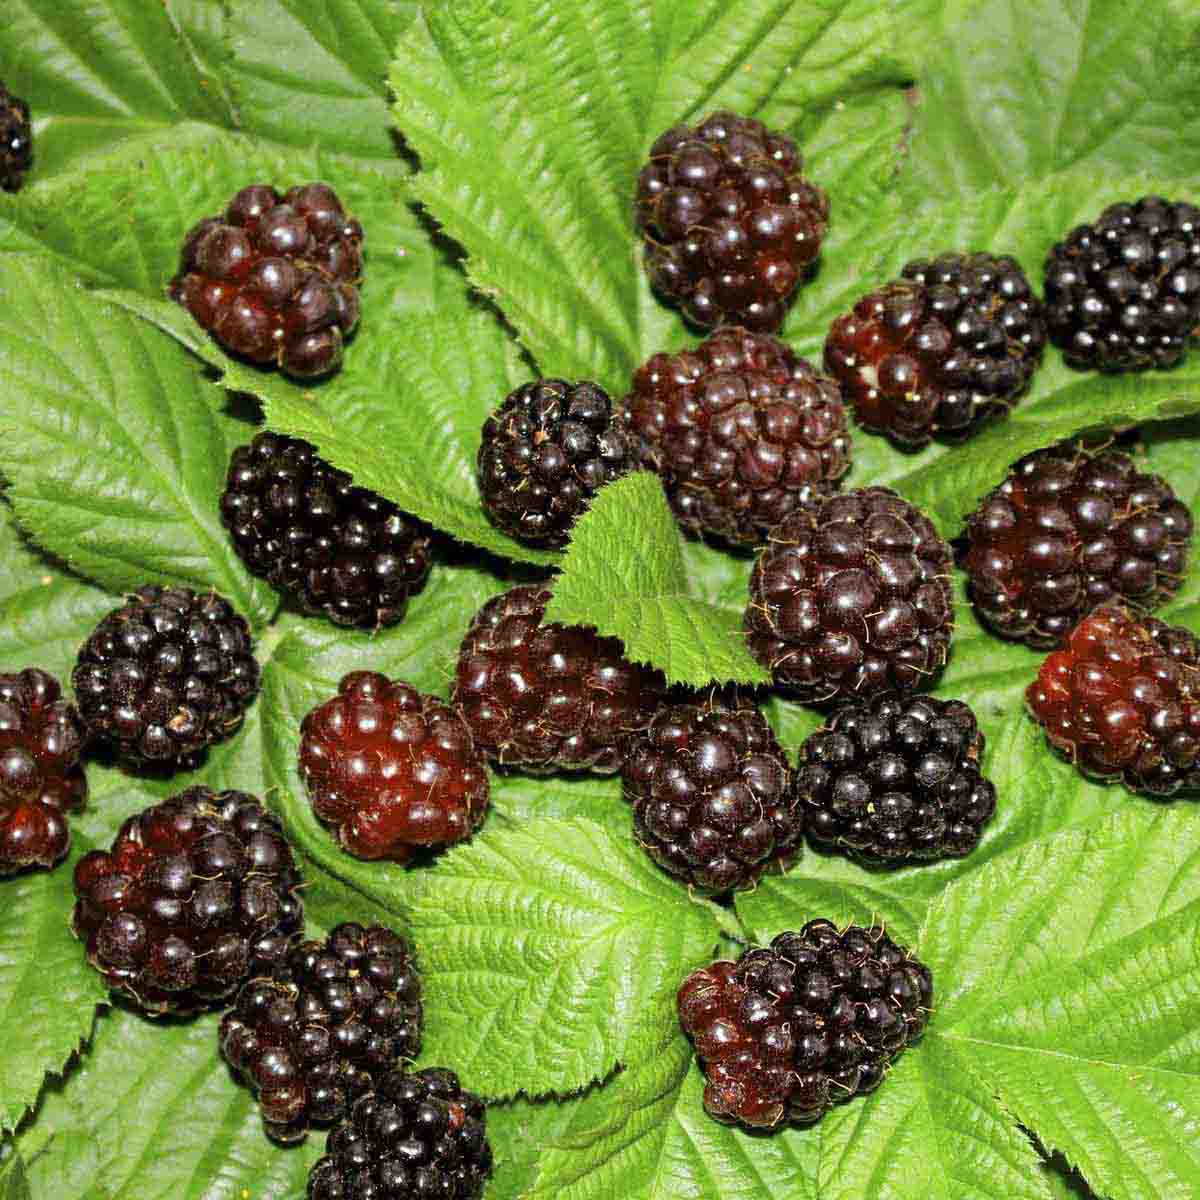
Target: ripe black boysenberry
<point x="16" y="140"/>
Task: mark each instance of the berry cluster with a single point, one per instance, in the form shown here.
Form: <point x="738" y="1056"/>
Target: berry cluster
<point x="16" y="140"/>
<point x="816" y="1018"/>
<point x="321" y="1030"/>
<point x="274" y="278"/>
<point x="1122" y="699"/>
<point x="1069" y="530"/>
<point x="339" y="549"/>
<point x="730" y="223"/>
<point x="740" y="430"/>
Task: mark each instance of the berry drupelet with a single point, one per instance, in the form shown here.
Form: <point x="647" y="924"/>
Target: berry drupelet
<point x="851" y="597"/>
<point x="712" y="794"/>
<point x="274" y="279"/>
<point x="391" y="769"/>
<point x="41" y="781"/>
<point x="729" y="221"/>
<point x="549" y="697"/>
<point x="788" y="1031"/>
<point x="195" y="894"/>
<point x="417" y="1136"/>
<point x="1122" y="700"/>
<point x="339" y="549"/>
<point x="317" y="1033"/>
<point x="166" y="675"/>
<point x="896" y="778"/>
<point x="1123" y="294"/>
<point x="1067" y="530"/>
<point x="545" y="453"/>
<point x="16" y="140"/>
<point x="938" y="352"/>
<point x="740" y="430"/>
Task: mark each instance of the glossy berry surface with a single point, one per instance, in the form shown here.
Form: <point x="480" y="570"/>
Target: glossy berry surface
<point x="740" y="430"/>
<point x="896" y="778"/>
<point x="317" y="1033"/>
<point x="41" y="781"/>
<point x="729" y="221"/>
<point x="16" y="140"/>
<point x="815" y="1019"/>
<point x="851" y="597"/>
<point x="166" y="675"/>
<point x="712" y="794"/>
<point x="939" y="352"/>
<point x="545" y="452"/>
<point x="1122" y="701"/>
<point x="1123" y="294"/>
<point x="195" y="894"/>
<point x="549" y="697"/>
<point x="1066" y="531"/>
<point x="391" y="769"/>
<point x="415" y="1136"/>
<point x="275" y="277"/>
<point x="339" y="549"/>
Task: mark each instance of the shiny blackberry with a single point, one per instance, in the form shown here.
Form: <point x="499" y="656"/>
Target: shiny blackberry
<point x="16" y="140"/>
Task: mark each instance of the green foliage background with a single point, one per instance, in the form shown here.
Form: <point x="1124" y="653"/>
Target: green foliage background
<point x="1066" y="950"/>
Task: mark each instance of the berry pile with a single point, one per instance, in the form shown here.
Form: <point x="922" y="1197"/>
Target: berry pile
<point x="274" y="279"/>
<point x="415" y="1136"/>
<point x="392" y="770"/>
<point x="896" y="778"/>
<point x="317" y="1034"/>
<point x="851" y="597"/>
<point x="339" y="549"/>
<point x="786" y="1032"/>
<point x="544" y="454"/>
<point x="952" y="344"/>
<point x="740" y="430"/>
<point x="549" y="697"/>
<point x="166" y="675"/>
<point x="712" y="794"/>
<point x="730" y="223"/>
<point x="1123" y="294"/>
<point x="16" y="140"/>
<point x="41" y="738"/>
<point x="1069" y="530"/>
<point x="195" y="894"/>
<point x="1122" y="699"/>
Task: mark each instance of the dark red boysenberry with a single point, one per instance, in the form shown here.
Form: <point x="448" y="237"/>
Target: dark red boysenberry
<point x="788" y="1031"/>
<point x="851" y="597"/>
<point x="321" y="1030"/>
<point x="41" y="781"/>
<point x="274" y="279"/>
<point x="549" y="697"/>
<point x="16" y="140"/>
<point x="740" y="430"/>
<point x="195" y="894"/>
<point x="729" y="221"/>
<point x="1122" y="701"/>
<point x="1068" y="530"/>
<point x="937" y="353"/>
<point x="339" y="549"/>
<point x="896" y="778"/>
<point x="1123" y="294"/>
<point x="545" y="452"/>
<point x="391" y="769"/>
<point x="712" y="794"/>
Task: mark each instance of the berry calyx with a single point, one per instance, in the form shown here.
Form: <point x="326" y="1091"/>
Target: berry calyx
<point x="544" y="454"/>
<point x="391" y="769"/>
<point x="740" y="430"/>
<point x="1122" y="700"/>
<point x="937" y="353"/>
<point x="729" y="221"/>
<point x="1067" y="530"/>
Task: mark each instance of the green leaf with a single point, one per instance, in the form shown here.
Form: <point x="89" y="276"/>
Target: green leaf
<point x="13" y="1183"/>
<point x="113" y="451"/>
<point x="540" y="946"/>
<point x="624" y="574"/>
